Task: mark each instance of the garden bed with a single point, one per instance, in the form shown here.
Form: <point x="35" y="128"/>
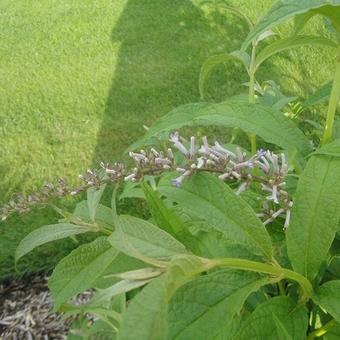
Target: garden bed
<point x="26" y="310"/>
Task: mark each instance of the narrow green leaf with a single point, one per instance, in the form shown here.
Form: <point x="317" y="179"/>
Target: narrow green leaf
<point x="330" y="149"/>
<point x="123" y="286"/>
<point x="301" y="20"/>
<point x="207" y="198"/>
<point x="138" y="238"/>
<point x="114" y="202"/>
<point x="328" y="297"/>
<point x="264" y="36"/>
<point x="103" y="213"/>
<point x="333" y="14"/>
<point x="80" y="269"/>
<point x="319" y="96"/>
<point x="47" y="234"/>
<point x="215" y="60"/>
<point x="259" y="119"/>
<point x="290" y="43"/>
<point x="206" y="306"/>
<point x="238" y="13"/>
<point x="283" y="10"/>
<point x="315" y="215"/>
<point x="164" y="217"/>
<point x="93" y="198"/>
<point x="261" y="323"/>
<point x="70" y="309"/>
<point x="139" y="274"/>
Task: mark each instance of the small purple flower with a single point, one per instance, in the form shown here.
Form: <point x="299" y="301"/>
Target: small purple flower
<point x="241" y="188"/>
<point x="175" y="139"/>
<point x="274" y="196"/>
<point x="192" y="151"/>
<point x="220" y="148"/>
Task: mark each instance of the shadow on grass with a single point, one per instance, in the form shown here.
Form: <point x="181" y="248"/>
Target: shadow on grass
<point x="162" y="47"/>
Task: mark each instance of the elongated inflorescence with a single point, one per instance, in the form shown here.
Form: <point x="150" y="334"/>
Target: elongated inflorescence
<point x="264" y="169"/>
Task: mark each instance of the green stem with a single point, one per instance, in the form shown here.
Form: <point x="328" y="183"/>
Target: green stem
<point x="252" y="137"/>
<point x="274" y="270"/>
<point x="322" y="330"/>
<point x="333" y="102"/>
<point x="281" y="288"/>
<point x="252" y="75"/>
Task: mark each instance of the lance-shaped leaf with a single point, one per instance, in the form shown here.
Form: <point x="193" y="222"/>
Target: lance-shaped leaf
<point x="290" y="43"/>
<point x="47" y="234"/>
<point x="205" y="307"/>
<point x="105" y="295"/>
<point x="238" y="13"/>
<point x="103" y="214"/>
<point x="141" y="239"/>
<point x="80" y="269"/>
<point x="283" y="10"/>
<point x="259" y="119"/>
<point x="330" y="149"/>
<point x="328" y="297"/>
<point x="207" y="198"/>
<point x="164" y="217"/>
<point x="320" y="95"/>
<point x="268" y="319"/>
<point x="146" y="317"/>
<point x="93" y="198"/>
<point x="315" y="215"/>
<point x="215" y="60"/>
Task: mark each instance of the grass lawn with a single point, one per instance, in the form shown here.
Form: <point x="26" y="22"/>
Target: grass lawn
<point x="80" y="78"/>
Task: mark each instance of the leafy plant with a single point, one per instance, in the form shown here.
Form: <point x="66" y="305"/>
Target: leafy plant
<point x="237" y="244"/>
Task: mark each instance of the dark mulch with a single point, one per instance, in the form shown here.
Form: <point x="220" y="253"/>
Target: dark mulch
<point x="26" y="311"/>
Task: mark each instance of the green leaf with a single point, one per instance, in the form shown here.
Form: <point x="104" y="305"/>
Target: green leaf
<point x="80" y="269"/>
<point x="93" y="198"/>
<point x="120" y="287"/>
<point x="210" y="243"/>
<point x="259" y="119"/>
<point x="164" y="217"/>
<point x="130" y="280"/>
<point x="264" y="36"/>
<point x="207" y="198"/>
<point x="46" y="234"/>
<point x="146" y="315"/>
<point x="319" y="96"/>
<point x="301" y="20"/>
<point x="114" y="212"/>
<point x="261" y="323"/>
<point x="131" y="190"/>
<point x="290" y="43"/>
<point x="283" y="10"/>
<point x="315" y="215"/>
<point x="215" y="60"/>
<point x="333" y="14"/>
<point x="328" y="297"/>
<point x="238" y="13"/>
<point x="333" y="333"/>
<point x="141" y="239"/>
<point x="281" y="331"/>
<point x="205" y="307"/>
<point x="103" y="213"/>
<point x="330" y="149"/>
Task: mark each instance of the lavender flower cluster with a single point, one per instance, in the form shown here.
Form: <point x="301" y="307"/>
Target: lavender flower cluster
<point x="265" y="168"/>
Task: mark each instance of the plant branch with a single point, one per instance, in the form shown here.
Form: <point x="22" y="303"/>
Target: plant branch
<point x="333" y="102"/>
<point x="252" y="137"/>
<point x="274" y="270"/>
<point x="322" y="330"/>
